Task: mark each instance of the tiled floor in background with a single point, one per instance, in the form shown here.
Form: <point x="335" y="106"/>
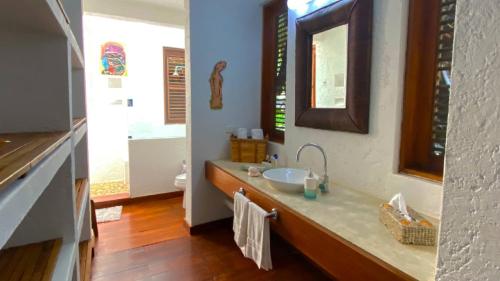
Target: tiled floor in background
<point x="150" y="243"/>
<point x="108" y="188"/>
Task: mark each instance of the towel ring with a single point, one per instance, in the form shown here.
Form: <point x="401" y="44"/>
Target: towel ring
<point x="271" y="215"/>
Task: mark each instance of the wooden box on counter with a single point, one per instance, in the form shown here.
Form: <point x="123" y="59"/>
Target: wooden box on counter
<point x="418" y="232"/>
<point x="248" y="150"/>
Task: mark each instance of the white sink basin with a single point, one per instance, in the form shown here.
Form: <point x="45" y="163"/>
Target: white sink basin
<point x="286" y="179"/>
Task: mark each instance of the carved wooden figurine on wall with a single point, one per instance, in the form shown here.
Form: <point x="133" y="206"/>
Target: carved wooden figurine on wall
<point x="216" y="80"/>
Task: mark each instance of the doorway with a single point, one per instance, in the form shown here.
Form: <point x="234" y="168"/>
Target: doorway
<point x="134" y="149"/>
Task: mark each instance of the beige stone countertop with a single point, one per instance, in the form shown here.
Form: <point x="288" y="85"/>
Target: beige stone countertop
<point x="353" y="216"/>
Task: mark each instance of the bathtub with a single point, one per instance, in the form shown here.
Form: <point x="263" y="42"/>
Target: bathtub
<point x="153" y="164"/>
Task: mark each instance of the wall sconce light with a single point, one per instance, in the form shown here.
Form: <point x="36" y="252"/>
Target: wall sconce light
<point x="299" y="6"/>
<point x="302" y="7"/>
<point x="320" y="3"/>
<point x="177" y="70"/>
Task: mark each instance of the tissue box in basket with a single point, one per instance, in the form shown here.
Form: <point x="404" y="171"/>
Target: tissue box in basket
<point x="419" y="232"/>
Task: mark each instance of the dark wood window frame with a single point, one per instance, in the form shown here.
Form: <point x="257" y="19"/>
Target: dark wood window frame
<point x="418" y="132"/>
<point x="172" y="117"/>
<point x="271" y="12"/>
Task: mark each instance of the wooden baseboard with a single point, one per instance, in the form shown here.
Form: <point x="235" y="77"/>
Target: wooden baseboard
<point x="201" y="228"/>
<point x="106" y="202"/>
<point x="186" y="225"/>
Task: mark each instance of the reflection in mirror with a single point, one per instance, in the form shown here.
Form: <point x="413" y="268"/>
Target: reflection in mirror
<point x="329" y="68"/>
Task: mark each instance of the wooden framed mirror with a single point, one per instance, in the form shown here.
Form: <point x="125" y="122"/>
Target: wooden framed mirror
<point x="333" y="67"/>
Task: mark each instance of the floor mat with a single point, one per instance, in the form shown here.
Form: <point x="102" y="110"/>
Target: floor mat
<point x="109" y="214"/>
<point x="108" y="188"/>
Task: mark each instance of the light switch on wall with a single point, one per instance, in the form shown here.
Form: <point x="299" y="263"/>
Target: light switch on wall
<point x="114" y="83"/>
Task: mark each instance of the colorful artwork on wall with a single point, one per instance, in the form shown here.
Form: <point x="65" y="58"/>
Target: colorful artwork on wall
<point x="113" y="59"/>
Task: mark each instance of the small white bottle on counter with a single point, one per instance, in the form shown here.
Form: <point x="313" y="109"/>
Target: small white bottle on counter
<point x="274" y="161"/>
<point x="310" y="186"/>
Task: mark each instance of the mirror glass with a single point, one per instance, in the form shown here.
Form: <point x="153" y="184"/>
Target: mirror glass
<point x="329" y="68"/>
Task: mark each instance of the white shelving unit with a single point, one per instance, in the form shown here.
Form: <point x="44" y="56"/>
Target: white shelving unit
<point x="44" y="187"/>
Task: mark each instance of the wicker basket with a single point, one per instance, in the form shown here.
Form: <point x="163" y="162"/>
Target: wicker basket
<point x="419" y="232"/>
<point x="248" y="150"/>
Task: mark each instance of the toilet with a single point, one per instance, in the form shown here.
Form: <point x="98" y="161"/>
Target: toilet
<point x="180" y="183"/>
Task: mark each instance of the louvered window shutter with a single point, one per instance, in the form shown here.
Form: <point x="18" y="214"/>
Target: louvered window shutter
<point x="427" y="87"/>
<point x="280" y="66"/>
<point x="175" y="86"/>
<point x="443" y="76"/>
<point x="274" y="45"/>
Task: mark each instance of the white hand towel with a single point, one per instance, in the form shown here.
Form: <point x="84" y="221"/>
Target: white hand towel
<point x="258" y="246"/>
<point x="240" y="219"/>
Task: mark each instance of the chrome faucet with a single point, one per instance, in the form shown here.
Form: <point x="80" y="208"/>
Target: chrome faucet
<point x="323" y="186"/>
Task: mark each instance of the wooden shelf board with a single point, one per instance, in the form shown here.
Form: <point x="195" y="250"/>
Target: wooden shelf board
<point x="81" y="186"/>
<point x="30" y="262"/>
<point x="66" y="260"/>
<point x="17" y="198"/>
<point x="77" y="122"/>
<point x="22" y="151"/>
<point x="86" y="259"/>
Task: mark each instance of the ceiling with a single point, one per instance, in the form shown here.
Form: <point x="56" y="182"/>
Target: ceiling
<point x="176" y="4"/>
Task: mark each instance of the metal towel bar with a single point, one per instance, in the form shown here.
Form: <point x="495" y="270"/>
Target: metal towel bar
<point x="274" y="212"/>
<point x="242" y="191"/>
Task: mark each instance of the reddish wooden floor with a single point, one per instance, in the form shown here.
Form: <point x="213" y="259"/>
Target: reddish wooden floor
<point x="151" y="243"/>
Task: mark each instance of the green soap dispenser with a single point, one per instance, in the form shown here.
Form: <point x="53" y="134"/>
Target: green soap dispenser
<point x="310" y="186"/>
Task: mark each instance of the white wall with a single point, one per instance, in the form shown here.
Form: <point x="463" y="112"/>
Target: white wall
<point x="154" y="163"/>
<point x="110" y="120"/>
<point x="366" y="162"/>
<point x="331" y="62"/>
<point x="139" y="10"/>
<point x="469" y="246"/>
<point x="219" y="30"/>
